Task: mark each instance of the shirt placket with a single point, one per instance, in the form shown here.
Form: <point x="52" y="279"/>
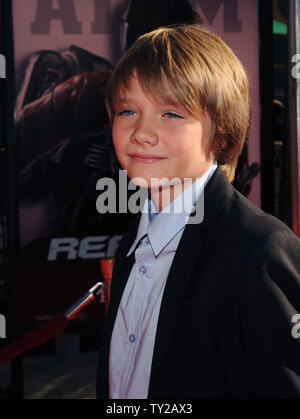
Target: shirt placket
<point x="136" y="307"/>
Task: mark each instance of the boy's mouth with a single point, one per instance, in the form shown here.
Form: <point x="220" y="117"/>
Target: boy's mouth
<point x="145" y="158"/>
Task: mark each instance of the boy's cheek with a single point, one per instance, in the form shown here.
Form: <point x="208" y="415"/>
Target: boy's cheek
<point x="119" y="142"/>
<point x="118" y="145"/>
<point x="124" y="162"/>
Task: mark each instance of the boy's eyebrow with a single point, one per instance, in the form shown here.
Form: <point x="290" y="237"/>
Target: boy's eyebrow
<point x="170" y="101"/>
<point x="122" y="100"/>
<point x="164" y="100"/>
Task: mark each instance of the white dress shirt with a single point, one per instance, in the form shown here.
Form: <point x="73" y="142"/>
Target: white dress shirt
<point x="133" y="336"/>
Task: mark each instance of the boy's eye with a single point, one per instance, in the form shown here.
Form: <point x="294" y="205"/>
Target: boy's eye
<point x="125" y="112"/>
<point x="172" y="115"/>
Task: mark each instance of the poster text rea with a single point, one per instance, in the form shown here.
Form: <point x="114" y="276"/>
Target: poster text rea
<point x="66" y="12"/>
<point x="96" y="247"/>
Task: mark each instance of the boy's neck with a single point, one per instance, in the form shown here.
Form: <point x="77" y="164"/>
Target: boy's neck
<point x="162" y="196"/>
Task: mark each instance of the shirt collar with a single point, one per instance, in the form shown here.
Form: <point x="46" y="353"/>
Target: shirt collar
<point x="143" y="227"/>
<point x="169" y="222"/>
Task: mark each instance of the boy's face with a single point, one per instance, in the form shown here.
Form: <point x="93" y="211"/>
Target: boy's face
<point x="159" y="140"/>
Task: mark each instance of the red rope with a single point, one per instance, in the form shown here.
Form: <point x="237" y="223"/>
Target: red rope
<point x="34" y="338"/>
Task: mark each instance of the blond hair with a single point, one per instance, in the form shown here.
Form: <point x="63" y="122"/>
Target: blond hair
<point x="197" y="68"/>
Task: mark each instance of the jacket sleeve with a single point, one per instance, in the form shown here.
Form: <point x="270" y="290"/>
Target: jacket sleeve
<point x="269" y="311"/>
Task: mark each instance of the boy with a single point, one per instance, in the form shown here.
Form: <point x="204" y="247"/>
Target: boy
<point x="197" y="310"/>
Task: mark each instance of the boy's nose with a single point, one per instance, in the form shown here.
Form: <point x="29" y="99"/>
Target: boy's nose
<point x="144" y="134"/>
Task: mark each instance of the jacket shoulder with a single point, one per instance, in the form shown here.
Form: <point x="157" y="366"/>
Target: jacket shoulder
<point x="245" y="218"/>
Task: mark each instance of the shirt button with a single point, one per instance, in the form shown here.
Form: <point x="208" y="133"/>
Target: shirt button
<point x="132" y="338"/>
<point x="143" y="269"/>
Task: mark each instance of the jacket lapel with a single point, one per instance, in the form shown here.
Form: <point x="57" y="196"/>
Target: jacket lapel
<point x="217" y="193"/>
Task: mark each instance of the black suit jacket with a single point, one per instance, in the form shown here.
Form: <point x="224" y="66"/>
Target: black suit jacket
<point x="225" y="323"/>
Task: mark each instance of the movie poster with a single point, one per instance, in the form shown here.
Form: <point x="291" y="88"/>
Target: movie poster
<point x="65" y="51"/>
